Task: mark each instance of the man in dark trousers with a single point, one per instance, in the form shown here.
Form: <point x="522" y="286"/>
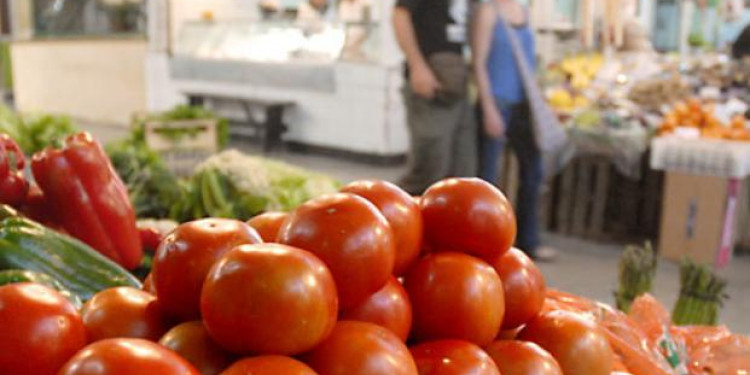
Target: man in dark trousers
<point x="433" y="35"/>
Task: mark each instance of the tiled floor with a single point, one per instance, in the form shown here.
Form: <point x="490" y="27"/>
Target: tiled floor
<point x="584" y="267"/>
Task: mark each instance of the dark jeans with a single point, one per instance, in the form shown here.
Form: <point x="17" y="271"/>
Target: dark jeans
<point x="443" y="141"/>
<point x="520" y="137"/>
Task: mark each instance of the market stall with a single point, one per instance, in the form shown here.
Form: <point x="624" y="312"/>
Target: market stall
<point x="307" y="289"/>
<point x="633" y="117"/>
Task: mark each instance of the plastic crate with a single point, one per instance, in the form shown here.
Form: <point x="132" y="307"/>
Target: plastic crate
<point x="183" y="154"/>
<point x="718" y="158"/>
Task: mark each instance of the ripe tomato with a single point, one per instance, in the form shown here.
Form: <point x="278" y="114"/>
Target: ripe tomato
<point x="455" y="296"/>
<point x="452" y="357"/>
<point x="40" y="330"/>
<point x="268" y="225"/>
<point x="269" y="299"/>
<point x="269" y="365"/>
<point x="577" y="343"/>
<point x="403" y="215"/>
<point x="185" y="256"/>
<point x="191" y="341"/>
<point x="389" y="308"/>
<point x="509" y="334"/>
<point x="522" y="358"/>
<point x="353" y="239"/>
<point x="524" y="287"/>
<point x="468" y="215"/>
<point x="127" y="357"/>
<point x="123" y="313"/>
<point x="358" y="348"/>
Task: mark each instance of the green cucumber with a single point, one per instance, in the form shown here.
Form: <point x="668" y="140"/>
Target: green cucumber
<point x="27" y="245"/>
<point x="23" y="276"/>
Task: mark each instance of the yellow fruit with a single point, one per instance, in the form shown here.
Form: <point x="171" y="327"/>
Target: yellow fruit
<point x="560" y="99"/>
<point x="580" y="102"/>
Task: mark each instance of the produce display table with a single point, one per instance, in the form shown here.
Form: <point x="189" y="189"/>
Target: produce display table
<point x="623" y="147"/>
<point x="607" y="190"/>
<point x="270" y="129"/>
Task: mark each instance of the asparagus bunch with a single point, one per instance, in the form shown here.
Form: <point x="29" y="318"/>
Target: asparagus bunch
<point x="702" y="295"/>
<point x="637" y="269"/>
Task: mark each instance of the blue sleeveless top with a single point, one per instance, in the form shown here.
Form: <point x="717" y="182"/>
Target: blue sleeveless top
<point x="505" y="77"/>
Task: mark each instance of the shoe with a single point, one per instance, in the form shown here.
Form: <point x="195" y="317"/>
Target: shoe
<point x="545" y="254"/>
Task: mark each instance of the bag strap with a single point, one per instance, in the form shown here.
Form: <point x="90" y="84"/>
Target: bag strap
<point x="548" y="134"/>
<point x="515" y="44"/>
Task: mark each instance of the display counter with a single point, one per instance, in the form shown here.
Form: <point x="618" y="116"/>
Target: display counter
<point x="343" y="79"/>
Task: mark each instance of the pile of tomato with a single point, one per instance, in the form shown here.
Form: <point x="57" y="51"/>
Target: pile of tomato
<point x="368" y="281"/>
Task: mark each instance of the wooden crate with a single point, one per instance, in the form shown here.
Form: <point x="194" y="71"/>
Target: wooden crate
<point x="184" y="154"/>
<point x="590" y="199"/>
<point x="581" y="197"/>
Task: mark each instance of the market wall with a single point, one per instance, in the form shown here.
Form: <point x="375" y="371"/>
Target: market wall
<point x="99" y="80"/>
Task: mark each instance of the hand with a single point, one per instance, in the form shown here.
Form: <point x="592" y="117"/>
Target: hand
<point x="494" y="126"/>
<point x="423" y="81"/>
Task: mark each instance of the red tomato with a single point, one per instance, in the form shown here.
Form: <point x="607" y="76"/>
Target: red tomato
<point x="468" y="215"/>
<point x="403" y="215"/>
<point x="40" y="330"/>
<point x="524" y="287"/>
<point x="148" y="284"/>
<point x="123" y="313"/>
<point x="389" y="308"/>
<point x="452" y="357"/>
<point x="185" y="256"/>
<point x="127" y="357"/>
<point x="522" y="358"/>
<point x="269" y="365"/>
<point x="577" y="343"/>
<point x="509" y="334"/>
<point x="269" y="299"/>
<point x="358" y="348"/>
<point x="191" y="341"/>
<point x="268" y="225"/>
<point x="353" y="239"/>
<point x="455" y="296"/>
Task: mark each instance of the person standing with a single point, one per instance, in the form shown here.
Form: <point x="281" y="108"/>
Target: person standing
<point x="505" y="110"/>
<point x="312" y="15"/>
<point x="433" y="35"/>
<point x="356" y="16"/>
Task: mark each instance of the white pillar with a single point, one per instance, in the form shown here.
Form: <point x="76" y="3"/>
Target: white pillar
<point x="687" y="9"/>
<point x="646" y="14"/>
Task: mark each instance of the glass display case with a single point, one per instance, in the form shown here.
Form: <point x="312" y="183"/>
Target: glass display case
<point x="278" y="41"/>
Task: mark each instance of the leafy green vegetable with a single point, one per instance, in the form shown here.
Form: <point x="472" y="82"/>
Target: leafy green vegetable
<point x="35" y="132"/>
<point x="240" y="186"/>
<point x="153" y="188"/>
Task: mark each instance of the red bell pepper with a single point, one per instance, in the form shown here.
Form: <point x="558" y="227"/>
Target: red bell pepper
<point x="150" y="239"/>
<point x="13" y="185"/>
<point x="89" y="199"/>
